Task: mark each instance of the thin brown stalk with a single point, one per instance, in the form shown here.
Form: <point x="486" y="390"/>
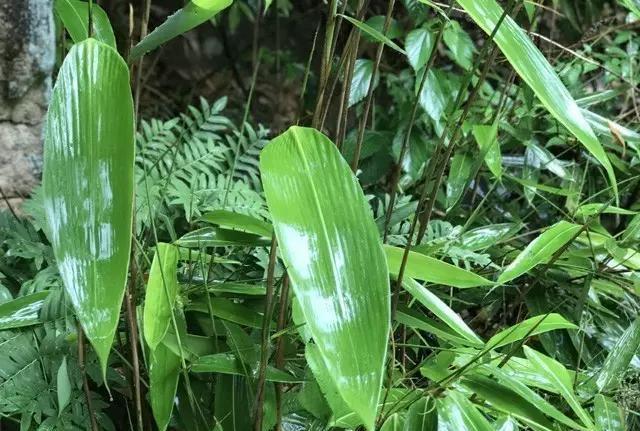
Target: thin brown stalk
<point x="325" y="66"/>
<point x="144" y="28"/>
<point x="85" y="380"/>
<point x="133" y="338"/>
<point x="282" y="320"/>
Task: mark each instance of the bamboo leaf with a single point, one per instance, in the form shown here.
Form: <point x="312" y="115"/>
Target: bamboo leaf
<point x="459" y="175"/>
<point x="374" y="33"/>
<point x="394" y="422"/>
<point x="160" y="297"/>
<point x="619" y="358"/>
<point x="164" y="372"/>
<point x="608" y="414"/>
<point x="330" y="245"/>
<point x="455" y="412"/>
<point x="218" y="237"/>
<point x="422" y="416"/>
<point x="528" y="328"/>
<point x="192" y="15"/>
<point x="487" y="139"/>
<point x="241" y="222"/>
<point x="557" y="374"/>
<point x="540" y="250"/>
<point x="432" y="270"/>
<point x="227" y="363"/>
<point x="88" y="185"/>
<point x="441" y="310"/>
<point x="75" y="18"/>
<point x="22" y="311"/>
<point x="536" y="71"/>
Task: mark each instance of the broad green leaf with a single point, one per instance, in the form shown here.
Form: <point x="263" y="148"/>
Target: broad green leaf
<point x="218" y="237"/>
<point x="536" y="71"/>
<point x="244" y="223"/>
<point x="63" y="386"/>
<point x="233" y="397"/>
<point x="229" y="310"/>
<point x="394" y="422"/>
<point x="459" y="43"/>
<point x="192" y="15"/>
<point x="377" y="22"/>
<point x="608" y="415"/>
<point x="88" y="185"/>
<point x="605" y="127"/>
<point x="561" y="379"/>
<point x="593" y="209"/>
<point x="419" y="44"/>
<point x="22" y="311"/>
<point x="422" y="416"/>
<point x="506" y="423"/>
<point x="457" y="413"/>
<point x="164" y="372"/>
<point x="528" y="328"/>
<point x="227" y="363"/>
<point x="504" y="399"/>
<point x="75" y="18"/>
<point x="459" y="175"/>
<point x="416" y="320"/>
<point x="333" y="253"/>
<point x="619" y="357"/>
<point x="441" y="310"/>
<point x="487" y="139"/>
<point x="484" y="237"/>
<point x="238" y="288"/>
<point x="374" y="33"/>
<point x="361" y="80"/>
<point x="433" y="98"/>
<point x="160" y="297"/>
<point x="540" y="250"/>
<point x="432" y="270"/>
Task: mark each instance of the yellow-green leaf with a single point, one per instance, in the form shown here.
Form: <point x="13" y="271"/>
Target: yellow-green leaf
<point x="333" y="253"/>
<point x="88" y="185"/>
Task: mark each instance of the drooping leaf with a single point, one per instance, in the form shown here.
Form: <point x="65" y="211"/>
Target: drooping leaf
<point x="528" y="328"/>
<point x="22" y="311"/>
<point x="557" y="374"/>
<point x="540" y="250"/>
<point x="416" y="320"/>
<point x="487" y="140"/>
<point x="441" y="310"/>
<point x="75" y="17"/>
<point x="419" y="44"/>
<point x="608" y="415"/>
<point x="63" y="386"/>
<point x="459" y="175"/>
<point x="455" y="412"/>
<point x="88" y="185"/>
<point x="192" y="15"/>
<point x="330" y="245"/>
<point x="235" y="221"/>
<point x="536" y="71"/>
<point x="162" y="289"/>
<point x="374" y="33"/>
<point x="164" y="372"/>
<point x="619" y="357"/>
<point x="422" y="416"/>
<point x="427" y="268"/>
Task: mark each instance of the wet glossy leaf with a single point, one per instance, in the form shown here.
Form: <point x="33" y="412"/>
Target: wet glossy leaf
<point x="164" y="372"/>
<point x="457" y="413"/>
<point x="192" y="15"/>
<point x="593" y="209"/>
<point x="536" y="71"/>
<point x="362" y="77"/>
<point x="458" y="178"/>
<point x="417" y="320"/>
<point x="633" y="6"/>
<point x="88" y="185"/>
<point x="557" y="374"/>
<point x="227" y="363"/>
<point x="487" y="139"/>
<point x="540" y="250"/>
<point x="75" y="17"/>
<point x="160" y="297"/>
<point x="374" y="33"/>
<point x="235" y="221"/>
<point x="619" y="357"/>
<point x="22" y="311"/>
<point x="483" y="237"/>
<point x="608" y="415"/>
<point x="433" y="98"/>
<point x="63" y="386"/>
<point x="218" y="237"/>
<point x="330" y="245"/>
<point x="441" y="310"/>
<point x="460" y="44"/>
<point x="427" y="268"/>
<point x="395" y="422"/>
<point x="422" y="416"/>
<point x="419" y="44"/>
<point x="229" y="310"/>
<point x="528" y="328"/>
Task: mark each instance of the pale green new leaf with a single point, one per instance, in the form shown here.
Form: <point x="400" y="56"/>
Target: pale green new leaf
<point x="540" y="250"/>
<point x="536" y="71"/>
<point x="557" y="374"/>
<point x="333" y="253"/>
<point x="88" y="185"/>
<point x="75" y="18"/>
<point x="192" y="15"/>
<point x="528" y="328"/>
<point x="160" y="297"/>
<point x="441" y="310"/>
<point x="608" y="415"/>
<point x="427" y="268"/>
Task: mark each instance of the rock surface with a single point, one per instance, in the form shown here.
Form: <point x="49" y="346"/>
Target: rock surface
<point x="27" y="56"/>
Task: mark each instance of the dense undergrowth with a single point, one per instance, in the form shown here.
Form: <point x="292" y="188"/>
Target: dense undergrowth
<point x="259" y="294"/>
